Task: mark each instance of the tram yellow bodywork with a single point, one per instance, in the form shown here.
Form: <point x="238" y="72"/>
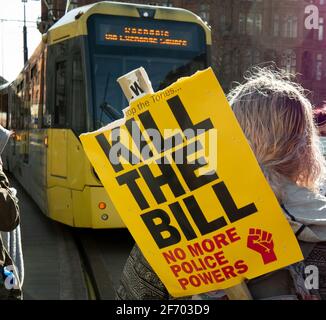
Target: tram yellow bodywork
<point x="60" y="179"/>
<point x="49" y="161"/>
<point x="74" y="193"/>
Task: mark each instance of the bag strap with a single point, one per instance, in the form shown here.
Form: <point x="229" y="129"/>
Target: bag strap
<point x="306" y="247"/>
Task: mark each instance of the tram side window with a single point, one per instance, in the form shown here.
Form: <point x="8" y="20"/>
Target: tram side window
<point x="78" y="96"/>
<point x="60" y="94"/>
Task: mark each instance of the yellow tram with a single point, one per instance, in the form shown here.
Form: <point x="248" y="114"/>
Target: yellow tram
<point x="69" y="86"/>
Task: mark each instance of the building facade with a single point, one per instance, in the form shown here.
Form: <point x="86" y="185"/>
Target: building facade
<point x="288" y="33"/>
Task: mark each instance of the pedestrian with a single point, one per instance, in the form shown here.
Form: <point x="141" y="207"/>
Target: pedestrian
<point x="277" y="120"/>
<point x="10" y="286"/>
<point x="320" y="119"/>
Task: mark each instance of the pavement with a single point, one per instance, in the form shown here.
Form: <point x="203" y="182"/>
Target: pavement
<point x="53" y="269"/>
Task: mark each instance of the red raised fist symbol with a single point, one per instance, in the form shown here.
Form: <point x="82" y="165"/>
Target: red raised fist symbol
<point x="262" y="242"/>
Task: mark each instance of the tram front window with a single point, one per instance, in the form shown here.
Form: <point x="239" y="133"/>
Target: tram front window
<point x="175" y="49"/>
<point x="107" y="69"/>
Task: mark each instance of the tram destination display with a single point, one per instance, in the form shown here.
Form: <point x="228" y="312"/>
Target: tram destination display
<point x="116" y="31"/>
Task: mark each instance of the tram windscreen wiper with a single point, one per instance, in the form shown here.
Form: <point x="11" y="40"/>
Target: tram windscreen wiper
<point x="110" y="111"/>
<point x="105" y="107"/>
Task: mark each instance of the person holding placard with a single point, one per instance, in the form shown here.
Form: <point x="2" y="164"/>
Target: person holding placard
<point x="277" y="120"/>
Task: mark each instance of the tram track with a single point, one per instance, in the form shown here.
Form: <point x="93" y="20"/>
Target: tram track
<point x="90" y="282"/>
<point x="97" y="276"/>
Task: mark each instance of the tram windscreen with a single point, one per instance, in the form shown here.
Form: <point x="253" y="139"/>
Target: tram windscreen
<point x="166" y="49"/>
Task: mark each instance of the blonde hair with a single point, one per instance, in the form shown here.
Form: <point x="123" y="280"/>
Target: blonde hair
<point x="277" y="120"/>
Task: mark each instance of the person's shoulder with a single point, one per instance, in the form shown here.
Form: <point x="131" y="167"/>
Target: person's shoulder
<point x="305" y="205"/>
<point x="297" y="195"/>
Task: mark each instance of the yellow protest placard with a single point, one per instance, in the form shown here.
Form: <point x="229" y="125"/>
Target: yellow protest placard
<point x="181" y="174"/>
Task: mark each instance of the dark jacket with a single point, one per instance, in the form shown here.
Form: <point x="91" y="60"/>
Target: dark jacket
<point x="9" y="211"/>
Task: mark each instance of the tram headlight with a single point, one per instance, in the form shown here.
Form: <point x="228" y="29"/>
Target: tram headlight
<point x="146" y="12"/>
<point x="102" y="205"/>
<point x="104" y="217"/>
